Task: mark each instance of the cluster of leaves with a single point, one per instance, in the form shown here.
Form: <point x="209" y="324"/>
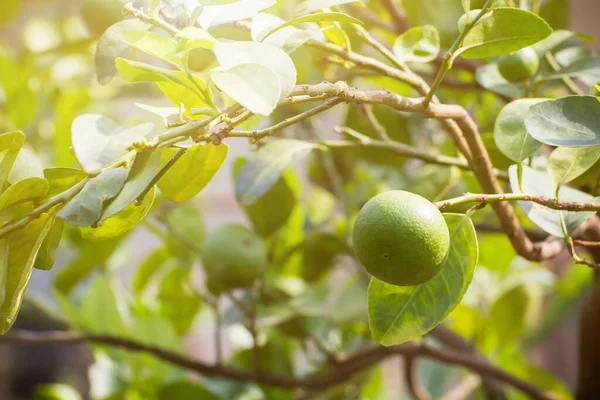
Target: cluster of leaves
<point x="225" y="67"/>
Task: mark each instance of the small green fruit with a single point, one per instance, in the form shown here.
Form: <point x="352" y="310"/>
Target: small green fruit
<point x="233" y="257"/>
<point x="401" y="238"/>
<point x="100" y="14"/>
<point x="519" y="66"/>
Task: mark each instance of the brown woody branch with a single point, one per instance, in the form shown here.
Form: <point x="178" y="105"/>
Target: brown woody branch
<point x="343" y="371"/>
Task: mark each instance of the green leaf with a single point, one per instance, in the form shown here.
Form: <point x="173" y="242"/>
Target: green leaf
<point x="264" y="168"/>
<point x="99" y="310"/>
<point x="510" y="133"/>
<point x="586" y="69"/>
<point x="186" y="391"/>
<point x="568" y="163"/>
<point x="148" y="268"/>
<point x="56" y="391"/>
<point x="3" y="268"/>
<point x="489" y="77"/>
<point x="319" y="17"/>
<point x="254" y="86"/>
<point x="192" y="38"/>
<point x="175" y="84"/>
<point x="557" y="13"/>
<point x="26" y="165"/>
<point x="145" y="167"/>
<point x="287" y="39"/>
<point x="99" y="141"/>
<point x="186" y="224"/>
<point x="120" y="222"/>
<point x="309" y="6"/>
<point x="61" y="179"/>
<point x="10" y="145"/>
<point x="568" y="121"/>
<point x="47" y="254"/>
<point x="506" y="30"/>
<point x="513" y="311"/>
<point x="557" y="38"/>
<point x="29" y="189"/>
<point x="540" y="183"/>
<point x="272" y="210"/>
<point x="155" y="331"/>
<point x="90" y="256"/>
<point x="23" y="246"/>
<point x="319" y="250"/>
<point x="233" y="54"/>
<point x="398" y="314"/>
<point x="420" y="44"/>
<point x="85" y="209"/>
<point x="152" y="43"/>
<point x="240" y="10"/>
<point x="111" y="46"/>
<point x="192" y="172"/>
<point x="178" y="302"/>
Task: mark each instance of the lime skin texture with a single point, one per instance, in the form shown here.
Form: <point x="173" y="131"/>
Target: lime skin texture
<point x="233" y="257"/>
<point x="401" y="238"/>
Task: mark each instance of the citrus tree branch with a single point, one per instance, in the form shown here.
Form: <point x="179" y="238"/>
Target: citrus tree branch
<point x="543" y="200"/>
<point x="343" y="371"/>
<point x="411" y="377"/>
<point x="398" y="15"/>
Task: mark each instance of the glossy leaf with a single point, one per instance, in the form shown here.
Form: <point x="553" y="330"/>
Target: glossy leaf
<point x="237" y="11"/>
<point x="506" y="30"/>
<point x="26" y="165"/>
<point x="254" y="86"/>
<point x="419" y="44"/>
<point x="587" y="69"/>
<point x="29" y="189"/>
<point x="195" y="38"/>
<point x="309" y="6"/>
<point x="23" y="245"/>
<point x="60" y="179"/>
<point x="568" y="121"/>
<point x="85" y="209"/>
<point x="319" y="17"/>
<point x="287" y="39"/>
<point x="233" y="54"/>
<point x="152" y="43"/>
<point x="264" y="168"/>
<point x="111" y="46"/>
<point x="540" y="183"/>
<point x="10" y="144"/>
<point x="47" y="254"/>
<point x="178" y="302"/>
<point x="145" y="167"/>
<point x="192" y="172"/>
<point x="186" y="224"/>
<point x="398" y="314"/>
<point x="271" y="211"/>
<point x="510" y="133"/>
<point x="98" y="141"/>
<point x="568" y="163"/>
<point x="120" y="222"/>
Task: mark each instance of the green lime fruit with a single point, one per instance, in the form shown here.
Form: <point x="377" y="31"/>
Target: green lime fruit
<point x="100" y="14"/>
<point x="233" y="257"/>
<point x="519" y="66"/>
<point x="401" y="238"/>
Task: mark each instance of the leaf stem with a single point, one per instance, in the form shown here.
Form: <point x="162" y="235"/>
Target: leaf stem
<point x="450" y="54"/>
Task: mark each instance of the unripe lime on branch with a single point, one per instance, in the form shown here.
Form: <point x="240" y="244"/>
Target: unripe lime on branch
<point x="233" y="257"/>
<point x="519" y="66"/>
<point x="401" y="238"/>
